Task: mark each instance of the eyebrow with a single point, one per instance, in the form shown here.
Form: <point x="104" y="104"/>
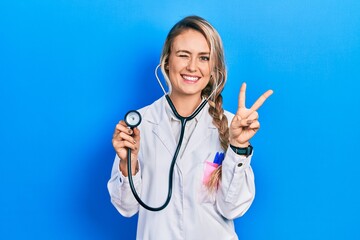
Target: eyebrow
<point x="188" y="52"/>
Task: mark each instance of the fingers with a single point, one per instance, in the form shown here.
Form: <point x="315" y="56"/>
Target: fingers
<point x="255" y="125"/>
<point x="245" y="122"/>
<point x="124" y="137"/>
<point x="119" y="145"/>
<point x="261" y="100"/>
<point x="122" y="127"/>
<point x="242" y="96"/>
<point x="253" y="116"/>
<point x="238" y="122"/>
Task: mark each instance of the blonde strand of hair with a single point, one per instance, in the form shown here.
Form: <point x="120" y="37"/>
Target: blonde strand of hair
<point x="220" y="121"/>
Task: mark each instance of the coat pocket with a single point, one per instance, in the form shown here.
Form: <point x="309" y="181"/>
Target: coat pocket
<point x="205" y="195"/>
<point x="210" y="167"/>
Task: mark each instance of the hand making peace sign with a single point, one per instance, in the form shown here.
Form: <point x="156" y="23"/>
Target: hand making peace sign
<point x="245" y="123"/>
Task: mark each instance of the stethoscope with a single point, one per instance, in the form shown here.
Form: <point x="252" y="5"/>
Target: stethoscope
<point x="133" y="119"/>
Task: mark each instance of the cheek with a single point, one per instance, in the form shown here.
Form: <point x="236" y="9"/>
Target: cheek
<point x="171" y="67"/>
<point x="176" y="63"/>
<point x="205" y="70"/>
<point x="206" y="77"/>
<point x="172" y="72"/>
<point x="175" y="68"/>
<point x="206" y="82"/>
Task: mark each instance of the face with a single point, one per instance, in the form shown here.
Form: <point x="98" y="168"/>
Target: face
<point x="188" y="64"/>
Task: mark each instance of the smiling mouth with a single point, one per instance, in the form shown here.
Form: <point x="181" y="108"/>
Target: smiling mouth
<point x="191" y="79"/>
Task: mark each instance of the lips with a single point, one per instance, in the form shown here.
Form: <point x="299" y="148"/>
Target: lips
<point x="189" y="78"/>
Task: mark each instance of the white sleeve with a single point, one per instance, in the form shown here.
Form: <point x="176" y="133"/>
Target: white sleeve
<point x="237" y="188"/>
<point x="119" y="189"/>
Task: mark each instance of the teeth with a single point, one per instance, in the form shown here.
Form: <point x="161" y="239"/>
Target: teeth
<point x="191" y="78"/>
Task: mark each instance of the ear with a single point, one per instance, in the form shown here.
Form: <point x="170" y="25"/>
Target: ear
<point x="166" y="66"/>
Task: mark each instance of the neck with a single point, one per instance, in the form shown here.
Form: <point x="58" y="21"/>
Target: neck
<point x="185" y="105"/>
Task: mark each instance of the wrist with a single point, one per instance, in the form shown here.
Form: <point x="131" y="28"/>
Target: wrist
<point x="246" y="151"/>
<point x="238" y="144"/>
<point x="123" y="167"/>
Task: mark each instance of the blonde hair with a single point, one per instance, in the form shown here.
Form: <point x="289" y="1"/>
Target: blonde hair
<point x="217" y="79"/>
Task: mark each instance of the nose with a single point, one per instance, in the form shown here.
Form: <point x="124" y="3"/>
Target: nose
<point x="192" y="65"/>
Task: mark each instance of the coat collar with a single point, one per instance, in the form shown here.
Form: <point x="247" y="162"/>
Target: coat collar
<point x="156" y="114"/>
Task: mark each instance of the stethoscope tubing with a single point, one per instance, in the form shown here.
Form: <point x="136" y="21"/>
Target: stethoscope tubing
<point x="183" y="121"/>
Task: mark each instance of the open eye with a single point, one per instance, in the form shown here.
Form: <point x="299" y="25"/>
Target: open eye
<point x="204" y="58"/>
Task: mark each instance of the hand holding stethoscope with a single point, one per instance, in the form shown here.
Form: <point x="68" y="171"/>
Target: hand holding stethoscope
<point x="245" y="123"/>
<point x="124" y="138"/>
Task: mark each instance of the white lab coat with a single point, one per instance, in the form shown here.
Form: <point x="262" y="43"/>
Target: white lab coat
<point x="193" y="212"/>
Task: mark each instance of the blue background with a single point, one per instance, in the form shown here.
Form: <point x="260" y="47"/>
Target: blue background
<point x="69" y="70"/>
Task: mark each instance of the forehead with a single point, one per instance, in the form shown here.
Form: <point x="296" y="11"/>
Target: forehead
<point x="190" y="40"/>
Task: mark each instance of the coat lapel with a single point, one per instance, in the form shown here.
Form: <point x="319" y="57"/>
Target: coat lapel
<point x="164" y="133"/>
<point x="161" y="126"/>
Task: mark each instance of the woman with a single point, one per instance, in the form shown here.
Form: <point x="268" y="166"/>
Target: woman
<point x="212" y="182"/>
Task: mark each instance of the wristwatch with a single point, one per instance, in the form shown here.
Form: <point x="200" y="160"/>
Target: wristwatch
<point x="242" y="151"/>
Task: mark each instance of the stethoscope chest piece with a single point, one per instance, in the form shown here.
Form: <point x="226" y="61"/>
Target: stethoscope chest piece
<point x="132" y="118"/>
